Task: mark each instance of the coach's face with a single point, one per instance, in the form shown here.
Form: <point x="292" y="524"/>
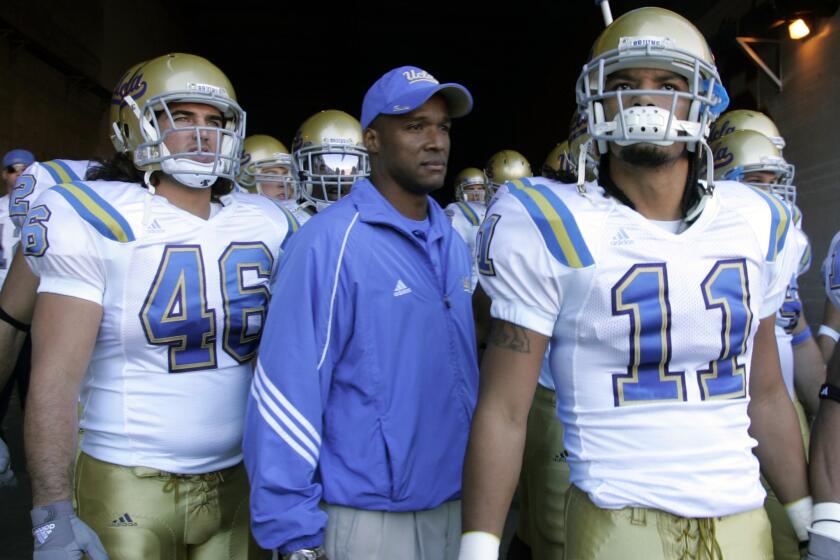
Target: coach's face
<point x="413" y="149"/>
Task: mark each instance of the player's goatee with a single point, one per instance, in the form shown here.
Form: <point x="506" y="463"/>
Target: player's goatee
<point x="644" y="155"/>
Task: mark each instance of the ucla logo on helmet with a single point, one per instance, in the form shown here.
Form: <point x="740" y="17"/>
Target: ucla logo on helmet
<point x="133" y="85"/>
<point x="722" y="130"/>
<point x="579" y="127"/>
<point x="723" y="157"/>
<point x="414" y="76"/>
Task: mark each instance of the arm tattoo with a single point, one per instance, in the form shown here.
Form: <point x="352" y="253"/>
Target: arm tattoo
<point x="509" y="336"/>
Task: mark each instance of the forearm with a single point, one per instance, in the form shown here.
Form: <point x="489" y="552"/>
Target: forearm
<point x="808" y="375"/>
<point x="64" y="331"/>
<point x="780" y="450"/>
<point x="825" y="451"/>
<point x="50" y="427"/>
<point x="509" y="374"/>
<point x="491" y="470"/>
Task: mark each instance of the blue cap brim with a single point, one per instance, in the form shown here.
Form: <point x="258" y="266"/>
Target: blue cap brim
<point x="458" y="100"/>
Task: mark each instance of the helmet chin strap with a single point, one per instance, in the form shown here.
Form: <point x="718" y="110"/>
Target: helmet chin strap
<point x="147" y="201"/>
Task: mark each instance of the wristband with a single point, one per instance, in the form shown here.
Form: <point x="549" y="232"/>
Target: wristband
<point x="23" y="327"/>
<point x="479" y="545"/>
<point x="825" y="330"/>
<point x="827" y="520"/>
<point x="800" y="514"/>
<point x="801" y="337"/>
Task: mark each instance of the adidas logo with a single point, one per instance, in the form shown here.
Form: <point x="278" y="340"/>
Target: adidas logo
<point x="621" y="238"/>
<point x="154" y="227"/>
<point x="401" y="289"/>
<point x="43" y="532"/>
<point x="124" y="520"/>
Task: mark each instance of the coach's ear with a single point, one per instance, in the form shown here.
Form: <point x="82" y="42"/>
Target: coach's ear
<point x="371" y="138"/>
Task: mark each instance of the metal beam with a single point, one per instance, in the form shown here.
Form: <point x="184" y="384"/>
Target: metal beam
<point x="745" y="42"/>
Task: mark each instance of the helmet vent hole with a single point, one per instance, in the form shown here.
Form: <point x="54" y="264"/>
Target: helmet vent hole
<point x="643" y="129"/>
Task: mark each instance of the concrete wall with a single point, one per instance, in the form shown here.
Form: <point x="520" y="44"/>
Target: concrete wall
<point x="808" y="116"/>
<point x="59" y="62"/>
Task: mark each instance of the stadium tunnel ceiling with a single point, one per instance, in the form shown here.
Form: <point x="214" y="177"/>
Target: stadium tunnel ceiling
<point x="519" y="62"/>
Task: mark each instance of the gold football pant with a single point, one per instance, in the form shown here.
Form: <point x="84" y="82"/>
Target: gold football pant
<point x="142" y="513"/>
<point x="631" y="533"/>
<point x="544" y="480"/>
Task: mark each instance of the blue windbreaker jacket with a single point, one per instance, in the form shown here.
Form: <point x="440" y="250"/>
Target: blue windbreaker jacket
<point x="367" y="378"/>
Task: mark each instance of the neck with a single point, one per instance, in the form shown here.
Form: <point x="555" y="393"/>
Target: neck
<point x="656" y="192"/>
<point x="414" y="206"/>
<point x="194" y="201"/>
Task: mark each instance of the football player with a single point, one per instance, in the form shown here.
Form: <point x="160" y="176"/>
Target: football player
<point x="559" y="164"/>
<point x="751" y="158"/>
<point x="153" y="289"/>
<point x="743" y="119"/>
<point x="829" y="331"/>
<point x="468" y="209"/>
<point x="330" y="156"/>
<point x="267" y="169"/>
<point x="658" y="294"/>
<point x="502" y="167"/>
<point x="825" y="445"/>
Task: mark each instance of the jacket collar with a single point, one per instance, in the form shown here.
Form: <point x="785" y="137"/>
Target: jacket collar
<point x="375" y="208"/>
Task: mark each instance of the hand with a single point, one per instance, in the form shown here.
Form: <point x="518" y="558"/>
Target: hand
<point x="822" y="547"/>
<point x="60" y="535"/>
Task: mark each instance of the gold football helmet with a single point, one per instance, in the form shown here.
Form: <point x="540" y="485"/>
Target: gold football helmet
<point x="743" y="152"/>
<point x="330" y="156"/>
<point x="504" y="166"/>
<point x="470" y="185"/>
<point x="263" y="159"/>
<point x="741" y="119"/>
<point x="559" y="164"/>
<point x="182" y="78"/>
<point x="651" y="38"/>
<point x="129" y="83"/>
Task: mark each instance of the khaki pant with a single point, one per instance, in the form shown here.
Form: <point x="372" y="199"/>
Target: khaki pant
<point x="356" y="534"/>
<point x="543" y="481"/>
<point x="142" y="513"/>
<point x="648" y="534"/>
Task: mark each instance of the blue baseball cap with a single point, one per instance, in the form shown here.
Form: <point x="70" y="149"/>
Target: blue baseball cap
<point x="406" y="88"/>
<point x="16" y="157"/>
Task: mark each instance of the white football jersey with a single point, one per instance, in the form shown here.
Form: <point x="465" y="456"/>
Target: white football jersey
<point x="831" y="271"/>
<point x="40" y="176"/>
<point x="184" y="301"/>
<point x="9" y="237"/>
<point x="790" y="312"/>
<point x="466" y="217"/>
<point x="298" y="211"/>
<point x="651" y="334"/>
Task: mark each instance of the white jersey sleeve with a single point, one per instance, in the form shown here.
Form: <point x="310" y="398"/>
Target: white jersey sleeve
<point x="39" y="177"/>
<point x="527" y="247"/>
<point x="62" y="249"/>
<point x="9" y="236"/>
<point x="831" y="271"/>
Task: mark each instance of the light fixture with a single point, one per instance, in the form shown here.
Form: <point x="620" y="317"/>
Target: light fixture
<point x="798" y="29"/>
